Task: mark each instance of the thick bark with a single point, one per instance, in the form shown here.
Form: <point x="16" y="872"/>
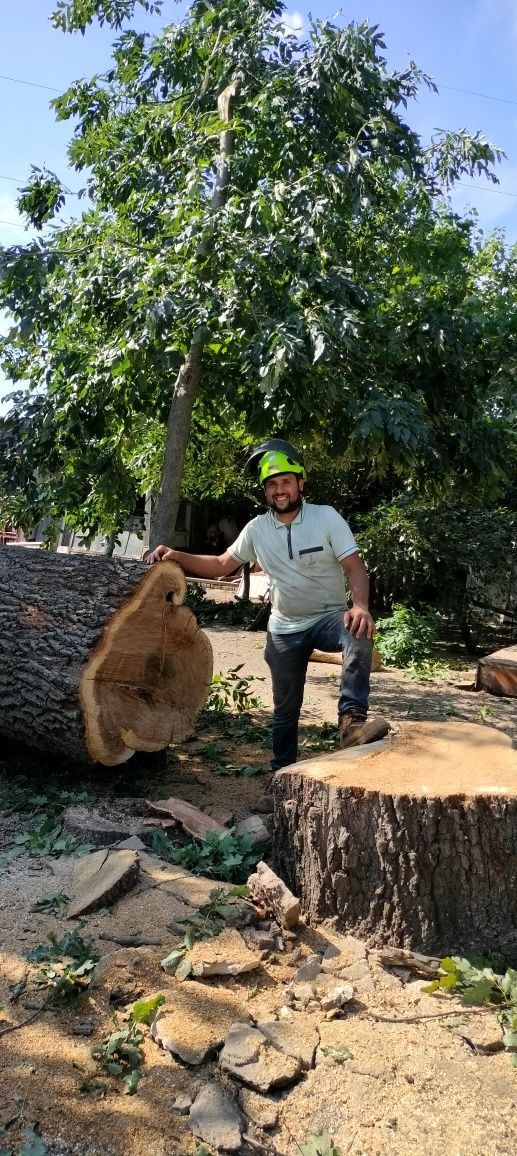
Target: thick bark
<point x="98" y="659"/>
<point x="163" y="517"/>
<point x="411" y="843"/>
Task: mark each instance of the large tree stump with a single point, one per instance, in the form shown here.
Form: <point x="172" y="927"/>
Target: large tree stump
<point x="98" y="659"/>
<point x="410" y="842"/>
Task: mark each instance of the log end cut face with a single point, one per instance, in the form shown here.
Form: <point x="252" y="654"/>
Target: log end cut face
<point x="423" y="759"/>
<point x="150" y="673"/>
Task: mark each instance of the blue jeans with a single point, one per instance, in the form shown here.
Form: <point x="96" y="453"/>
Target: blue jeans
<point x="287" y="656"/>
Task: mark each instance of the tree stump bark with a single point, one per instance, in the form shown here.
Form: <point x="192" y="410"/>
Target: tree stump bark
<point x="409" y="842"/>
<point x="98" y="659"/>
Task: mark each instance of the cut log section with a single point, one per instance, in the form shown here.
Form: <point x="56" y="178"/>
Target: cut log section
<point x="497" y="673"/>
<point x="336" y="659"/>
<point x="98" y="659"/>
<point x="410" y="842"/>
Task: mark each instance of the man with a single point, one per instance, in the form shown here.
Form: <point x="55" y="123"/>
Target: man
<point x="306" y="551"/>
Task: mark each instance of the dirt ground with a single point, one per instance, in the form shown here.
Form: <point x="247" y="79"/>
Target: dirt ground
<point x="407" y="1088"/>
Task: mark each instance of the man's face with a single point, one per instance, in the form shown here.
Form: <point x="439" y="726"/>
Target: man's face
<point x="284" y="493"/>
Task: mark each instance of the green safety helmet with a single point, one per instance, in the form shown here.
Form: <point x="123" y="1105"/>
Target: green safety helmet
<point x="275" y="462"/>
<point x="273" y="457"/>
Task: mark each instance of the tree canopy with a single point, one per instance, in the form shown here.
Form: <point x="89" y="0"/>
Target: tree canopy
<point x="263" y="249"/>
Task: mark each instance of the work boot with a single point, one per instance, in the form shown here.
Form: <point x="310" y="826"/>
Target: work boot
<point x="356" y="730"/>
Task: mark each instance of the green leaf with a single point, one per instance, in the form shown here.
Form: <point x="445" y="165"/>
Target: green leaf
<point x="320" y="1144"/>
<point x="184" y="969"/>
<point x="448" y="981"/>
<point x="132" y="1081"/>
<point x="479" y="992"/>
<point x="144" y="1010"/>
<point x="430" y="988"/>
<point x="171" y="961"/>
<point x="338" y="1053"/>
<point x="113" y="1068"/>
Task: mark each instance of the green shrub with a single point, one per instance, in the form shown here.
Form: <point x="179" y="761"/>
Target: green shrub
<point x="406" y="638"/>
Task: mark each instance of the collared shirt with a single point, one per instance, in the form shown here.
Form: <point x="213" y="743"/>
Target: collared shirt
<point x="302" y="561"/>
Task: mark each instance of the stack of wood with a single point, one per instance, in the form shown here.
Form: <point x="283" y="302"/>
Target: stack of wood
<point x="98" y="658"/>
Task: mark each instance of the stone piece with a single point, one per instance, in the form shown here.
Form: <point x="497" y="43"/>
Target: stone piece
<point x="134" y="843"/>
<point x="225" y="954"/>
<point x="227" y="818"/>
<point x="260" y="1111"/>
<point x="309" y="970"/>
<point x="255" y="826"/>
<point x="147" y="828"/>
<point x="194" y="821"/>
<point x="296" y="1039"/>
<point x="182" y="1104"/>
<point x="90" y="827"/>
<point x="242" y="1045"/>
<point x="101" y="879"/>
<point x="259" y="940"/>
<point x="267" y="888"/>
<point x="197" y="1021"/>
<point x="337" y="996"/>
<point x="249" y="1057"/>
<point x="214" y="1119"/>
<point x="302" y="993"/>
<point x="265" y="804"/>
<point x="357" y="971"/>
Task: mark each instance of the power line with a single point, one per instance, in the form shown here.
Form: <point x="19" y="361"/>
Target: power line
<point x="31" y="83"/>
<point x="449" y="87"/>
<point x="483" y="95"/>
<point x="17" y="180"/>
<point x="486" y="189"/>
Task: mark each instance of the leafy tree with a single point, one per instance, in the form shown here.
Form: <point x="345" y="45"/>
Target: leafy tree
<point x="443" y="552"/>
<point x="234" y="259"/>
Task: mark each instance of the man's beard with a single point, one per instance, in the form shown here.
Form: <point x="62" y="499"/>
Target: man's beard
<point x="287" y="509"/>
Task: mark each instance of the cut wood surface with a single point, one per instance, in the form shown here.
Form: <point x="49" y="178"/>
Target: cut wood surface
<point x="497" y="672"/>
<point x="98" y="659"/>
<point x="102" y="878"/>
<point x="410" y="841"/>
<point x="191" y="818"/>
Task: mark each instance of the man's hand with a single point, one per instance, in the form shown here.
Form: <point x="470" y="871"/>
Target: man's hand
<point x="161" y="554"/>
<point x="359" y="622"/>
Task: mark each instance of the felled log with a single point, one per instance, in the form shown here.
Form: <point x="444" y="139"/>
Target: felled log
<point x="497" y="672"/>
<point x="410" y="842"/>
<point x="98" y="659"/>
<point x="336" y="659"/>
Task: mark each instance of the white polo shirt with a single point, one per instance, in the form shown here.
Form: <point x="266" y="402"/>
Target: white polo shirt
<point x="302" y="561"/>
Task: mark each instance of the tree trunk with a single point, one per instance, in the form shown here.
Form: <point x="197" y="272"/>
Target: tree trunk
<point x="410" y="842"/>
<point x="98" y="659"/>
<point x="163" y="517"/>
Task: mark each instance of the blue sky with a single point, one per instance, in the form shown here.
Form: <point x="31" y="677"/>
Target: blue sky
<point x="463" y="44"/>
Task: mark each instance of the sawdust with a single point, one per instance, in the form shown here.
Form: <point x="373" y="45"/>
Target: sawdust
<point x="427" y="759"/>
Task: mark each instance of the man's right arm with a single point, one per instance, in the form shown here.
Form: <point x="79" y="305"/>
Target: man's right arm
<point x="199" y="565"/>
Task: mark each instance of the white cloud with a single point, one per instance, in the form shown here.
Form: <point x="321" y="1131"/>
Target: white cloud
<point x="294" y="22"/>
